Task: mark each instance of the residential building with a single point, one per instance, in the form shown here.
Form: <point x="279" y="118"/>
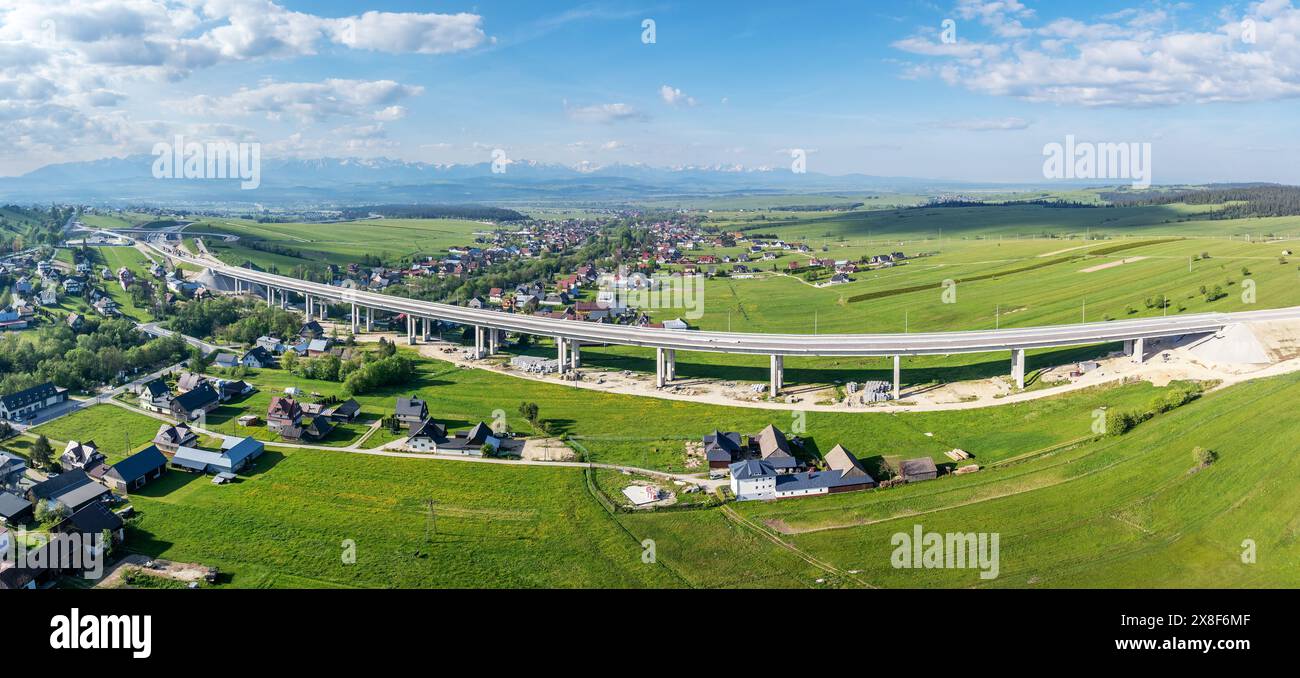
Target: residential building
<point x="133" y="472"/>
<point x="257" y="357"/>
<point x="411" y="412"/>
<point x="721" y="450"/>
<point x="196" y="402"/>
<point x="30" y="401"/>
<point x="226" y="360"/>
<point x="80" y="455"/>
<point x="171" y="437"/>
<point x="155" y="396"/>
<point x="283" y="414"/>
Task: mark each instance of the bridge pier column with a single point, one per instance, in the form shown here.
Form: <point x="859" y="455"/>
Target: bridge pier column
<point x="369" y="319"/>
<point x="410" y="329"/>
<point x="670" y="364"/>
<point x="660" y="375"/>
<point x="575" y="354"/>
<point x="284" y="299"/>
<point x="356" y="318"/>
<point x="778" y="374"/>
<point x="306" y="306"/>
<point x="426" y="334"/>
<point x="1018" y="366"/>
<point x="492" y="337"/>
<point x="898" y="367"/>
<point x="478" y="342"/>
<point x="561" y="347"/>
<point x="269" y="299"/>
<point x="1139" y="350"/>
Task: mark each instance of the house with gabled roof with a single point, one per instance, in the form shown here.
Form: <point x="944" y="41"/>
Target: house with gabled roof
<point x="774" y="448"/>
<point x="193" y="403"/>
<point x="80" y="455"/>
<point x="722" y="449"/>
<point x="30" y="401"/>
<point x="136" y="470"/>
<point x="171" y="437"/>
<point x="411" y="412"/>
<point x="155" y="396"/>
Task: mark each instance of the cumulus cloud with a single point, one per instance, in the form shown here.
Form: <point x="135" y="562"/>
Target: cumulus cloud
<point x="1128" y="58"/>
<point x="673" y="96"/>
<point x="604" y="113"/>
<point x="71" y="63"/>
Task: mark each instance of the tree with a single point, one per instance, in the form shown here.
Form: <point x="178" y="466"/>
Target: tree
<point x="42" y="455"/>
<point x="529" y="412"/>
<point x="487" y="450"/>
<point x="51" y="511"/>
<point x="1204" y="457"/>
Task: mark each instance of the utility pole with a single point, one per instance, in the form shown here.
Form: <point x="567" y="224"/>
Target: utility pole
<point x="431" y="525"/>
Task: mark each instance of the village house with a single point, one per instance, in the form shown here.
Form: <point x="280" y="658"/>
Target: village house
<point x="721" y="450"/>
<point x="773" y="448"/>
<point x="257" y="358"/>
<point x="431" y="436"/>
<point x="171" y="437"/>
<point x="77" y="455"/>
<point x="195" y="402"/>
<point x="136" y="470"/>
<point x="411" y="412"/>
<point x="226" y="361"/>
<point x="190" y="381"/>
<point x="283" y="414"/>
<point x="155" y="396"/>
<point x="28" y="402"/>
<point x="14" y="510"/>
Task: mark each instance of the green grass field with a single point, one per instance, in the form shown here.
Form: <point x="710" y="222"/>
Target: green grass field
<point x="337" y="243"/>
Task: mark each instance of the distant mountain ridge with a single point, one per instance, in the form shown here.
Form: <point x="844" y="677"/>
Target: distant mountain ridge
<point x="341" y="181"/>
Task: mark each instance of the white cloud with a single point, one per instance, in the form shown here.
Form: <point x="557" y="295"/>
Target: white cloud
<point x="604" y="113"/>
<point x="309" y="101"/>
<point x="612" y="145"/>
<point x="1126" y="59"/>
<point x="71" y="63"/>
<point x="673" y="96"/>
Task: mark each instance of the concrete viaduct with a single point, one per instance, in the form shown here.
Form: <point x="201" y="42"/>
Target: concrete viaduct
<point x="571" y="335"/>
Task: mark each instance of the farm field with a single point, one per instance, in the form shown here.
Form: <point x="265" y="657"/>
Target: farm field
<point x="288" y="522"/>
<point x="650" y="432"/>
<point x="1118" y="512"/>
<point x="335" y="243"/>
<point x="1125" y="511"/>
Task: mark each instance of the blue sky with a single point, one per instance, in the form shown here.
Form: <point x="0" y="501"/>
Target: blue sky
<point x="862" y="87"/>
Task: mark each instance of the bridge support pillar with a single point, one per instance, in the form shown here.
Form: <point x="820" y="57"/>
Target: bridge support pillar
<point x="284" y="299"/>
<point x="778" y="374"/>
<point x="562" y="350"/>
<point x="492" y="338"/>
<point x="427" y="333"/>
<point x="1018" y="366"/>
<point x="1139" y="350"/>
<point x="306" y="306"/>
<point x="478" y="342"/>
<point x="410" y="329"/>
<point x="369" y="319"/>
<point x="575" y="354"/>
<point x="670" y="364"/>
<point x="898" y="367"/>
<point x="356" y="318"/>
<point x="269" y="298"/>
